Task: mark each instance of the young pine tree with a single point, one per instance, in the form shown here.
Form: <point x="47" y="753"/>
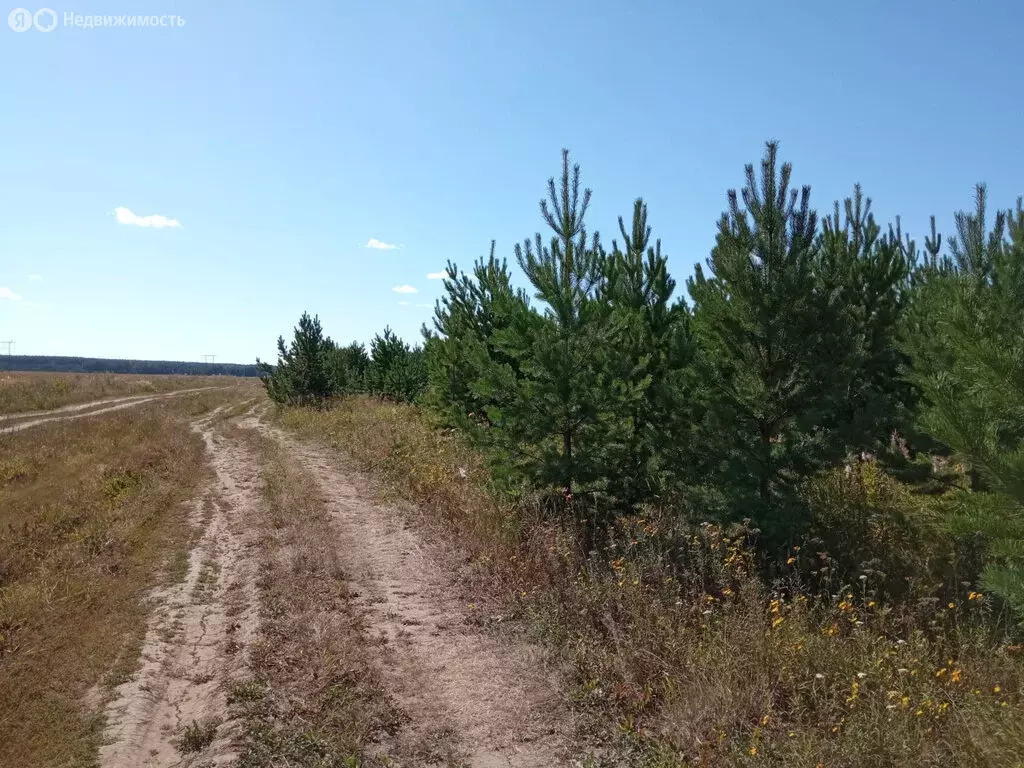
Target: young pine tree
<point x="650" y="352"/>
<point x="761" y="325"/>
<point x="346" y="368"/>
<point x="865" y="276"/>
<point x="463" y="350"/>
<point x="555" y="422"/>
<point x="300" y="376"/>
<point x="396" y="371"/>
<point x="975" y="404"/>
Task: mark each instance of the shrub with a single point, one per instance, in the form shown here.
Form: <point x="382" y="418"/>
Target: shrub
<point x="869" y="524"/>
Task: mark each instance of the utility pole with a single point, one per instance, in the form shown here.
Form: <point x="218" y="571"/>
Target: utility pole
<point x="10" y="346"/>
<point x="209" y="358"/>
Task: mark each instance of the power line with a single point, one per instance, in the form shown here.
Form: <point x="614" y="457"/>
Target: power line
<point x="10" y="346"/>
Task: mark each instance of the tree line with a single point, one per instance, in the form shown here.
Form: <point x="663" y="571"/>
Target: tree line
<point x="809" y="342"/>
<point x="62" y="364"/>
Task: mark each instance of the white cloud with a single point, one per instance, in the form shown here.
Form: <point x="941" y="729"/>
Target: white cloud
<point x="404" y="289"/>
<point x="379" y="245"/>
<point x="425" y="305"/>
<point x="7" y="293"/>
<point x="156" y="221"/>
<point x="403" y="303"/>
<point x="436" y="275"/>
<point x="35" y="277"/>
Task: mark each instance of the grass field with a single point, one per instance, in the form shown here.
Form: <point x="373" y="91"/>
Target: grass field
<point x="25" y="392"/>
<point x="92" y="515"/>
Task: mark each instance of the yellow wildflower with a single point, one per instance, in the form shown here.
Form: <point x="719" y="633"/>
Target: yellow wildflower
<point x="854" y="691"/>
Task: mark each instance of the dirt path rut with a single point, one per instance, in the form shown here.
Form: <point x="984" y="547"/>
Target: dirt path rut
<point x="487" y="702"/>
<point x="82" y="410"/>
<point x="171" y="712"/>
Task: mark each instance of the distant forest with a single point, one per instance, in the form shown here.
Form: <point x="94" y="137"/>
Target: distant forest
<point x="102" y="365"/>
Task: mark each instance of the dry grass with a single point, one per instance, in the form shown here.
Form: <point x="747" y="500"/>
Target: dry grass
<point x="315" y="698"/>
<point x="694" y="659"/>
<point x="25" y="392"/>
<point x="91" y="516"/>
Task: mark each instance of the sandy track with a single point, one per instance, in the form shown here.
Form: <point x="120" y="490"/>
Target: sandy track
<point x="198" y="631"/>
<point x="468" y="698"/>
<point x="74" y="407"/>
<point x="495" y="701"/>
<point x="69" y="412"/>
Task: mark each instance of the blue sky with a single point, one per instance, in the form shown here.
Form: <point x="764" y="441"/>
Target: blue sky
<point x="283" y="137"/>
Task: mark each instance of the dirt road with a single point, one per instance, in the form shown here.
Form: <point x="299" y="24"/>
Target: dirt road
<point x="467" y="697"/>
<point x="494" y="701"/>
<point x="82" y="410"/>
<point x="173" y="708"/>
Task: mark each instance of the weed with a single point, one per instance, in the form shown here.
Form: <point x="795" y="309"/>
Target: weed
<point x="197" y="736"/>
<point x="249" y="691"/>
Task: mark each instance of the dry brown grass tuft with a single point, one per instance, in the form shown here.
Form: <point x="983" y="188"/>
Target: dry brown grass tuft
<point x="25" y="392"/>
<point x="315" y="698"/>
<point x="91" y="516"/>
<point x="693" y="658"/>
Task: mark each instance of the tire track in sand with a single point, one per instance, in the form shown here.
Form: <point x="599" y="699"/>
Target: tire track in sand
<point x="472" y="699"/>
<point x="71" y="412"/>
<point x="197" y="631"/>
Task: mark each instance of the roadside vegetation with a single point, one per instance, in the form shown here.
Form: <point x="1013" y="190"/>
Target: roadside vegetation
<point x="25" y="392"/>
<point x="91" y="517"/>
<point x="775" y="524"/>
